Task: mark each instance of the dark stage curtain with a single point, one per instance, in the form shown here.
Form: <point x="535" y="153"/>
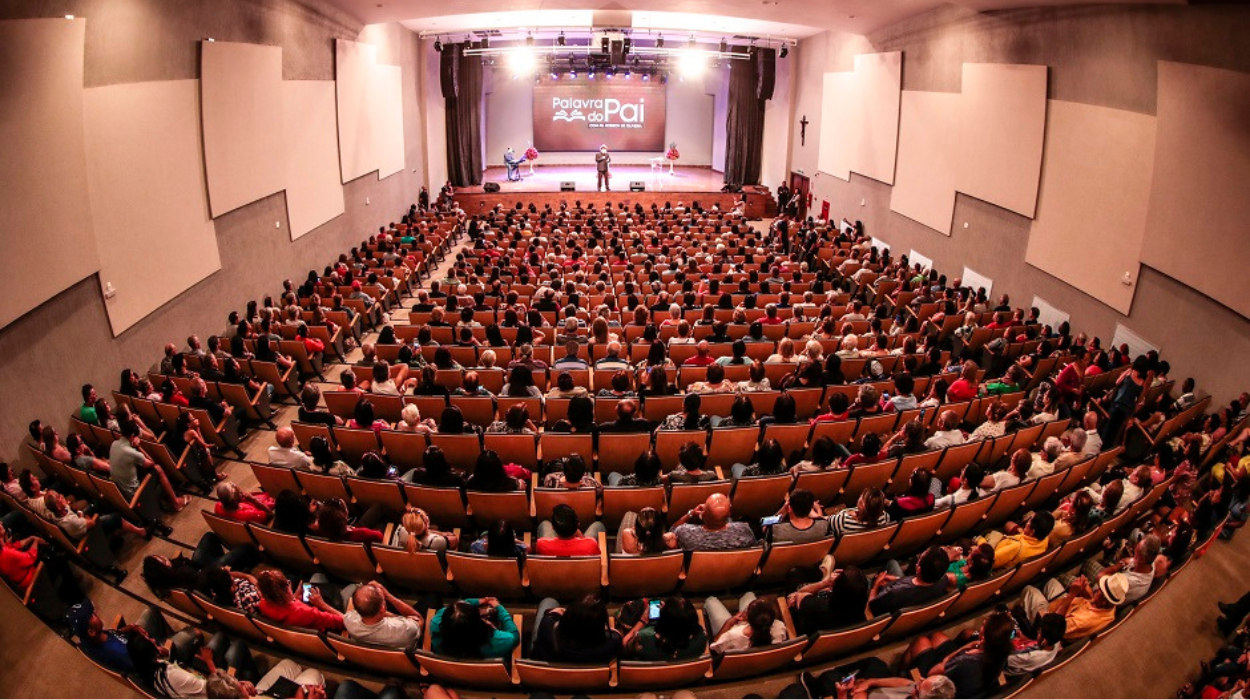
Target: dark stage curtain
<point x="750" y="84"/>
<point x="461" y="79"/>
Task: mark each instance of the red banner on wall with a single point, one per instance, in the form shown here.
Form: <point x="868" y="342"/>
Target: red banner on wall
<point x="583" y="114"/>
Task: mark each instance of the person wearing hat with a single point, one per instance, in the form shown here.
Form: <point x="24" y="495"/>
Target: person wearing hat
<point x="1087" y="610"/>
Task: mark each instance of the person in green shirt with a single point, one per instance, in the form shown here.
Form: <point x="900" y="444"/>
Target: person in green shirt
<point x="474" y="628"/>
<point x="87" y="411"/>
<point x="675" y="634"/>
<point x="1010" y="382"/>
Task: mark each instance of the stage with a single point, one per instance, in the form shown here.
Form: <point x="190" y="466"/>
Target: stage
<point x="685" y="184"/>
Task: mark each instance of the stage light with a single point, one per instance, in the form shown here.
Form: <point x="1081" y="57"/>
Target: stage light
<point x="591" y="73"/>
<point x="438" y="45"/>
<point x="692" y="63"/>
<point x="628" y="74"/>
<point x="646" y="77"/>
<point x="560" y="39"/>
<point x="554" y="74"/>
<point x="659" y="42"/>
<point x="573" y="73"/>
<point x="785" y="50"/>
<point x="521" y="61"/>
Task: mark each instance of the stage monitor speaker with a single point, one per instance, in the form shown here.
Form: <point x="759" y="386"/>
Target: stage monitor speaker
<point x="637" y="186"/>
<point x="490" y="187"/>
<point x="567" y="186"/>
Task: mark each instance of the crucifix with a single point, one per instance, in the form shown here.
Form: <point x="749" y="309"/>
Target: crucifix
<point x="803" y="131"/>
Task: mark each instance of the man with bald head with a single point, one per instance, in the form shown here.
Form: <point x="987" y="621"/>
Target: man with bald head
<point x="369" y="620"/>
<point x="948" y="432"/>
<point x="703" y="356"/>
<point x="286" y="453"/>
<point x="709" y="527"/>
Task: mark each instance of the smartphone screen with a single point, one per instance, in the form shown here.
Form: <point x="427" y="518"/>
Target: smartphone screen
<point x="653" y="610"/>
<point x="770" y="520"/>
<point x="850" y="677"/>
<point x="306" y="592"/>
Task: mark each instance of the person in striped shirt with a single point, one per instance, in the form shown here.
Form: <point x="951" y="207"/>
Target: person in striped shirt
<point x="868" y="513"/>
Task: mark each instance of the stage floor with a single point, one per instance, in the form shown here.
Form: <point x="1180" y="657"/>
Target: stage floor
<point x="548" y="178"/>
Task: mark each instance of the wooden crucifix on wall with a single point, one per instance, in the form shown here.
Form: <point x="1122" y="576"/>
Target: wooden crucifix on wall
<point x="803" y="130"/>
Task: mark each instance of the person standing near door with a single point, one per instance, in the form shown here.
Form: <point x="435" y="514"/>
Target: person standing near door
<point x="781" y="232"/>
<point x="604" y="175"/>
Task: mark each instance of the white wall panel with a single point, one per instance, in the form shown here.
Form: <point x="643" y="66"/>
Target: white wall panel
<point x="924" y="186"/>
<point x="1002" y="124"/>
<point x="314" y="194"/>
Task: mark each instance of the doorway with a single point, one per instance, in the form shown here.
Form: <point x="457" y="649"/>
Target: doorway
<point x="800" y="187"/>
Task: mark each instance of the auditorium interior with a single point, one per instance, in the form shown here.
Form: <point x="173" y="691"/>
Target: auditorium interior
<point x="624" y="349"/>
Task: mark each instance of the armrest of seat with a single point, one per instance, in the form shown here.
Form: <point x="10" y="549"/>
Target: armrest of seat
<point x="533" y="488"/>
<point x="516" y="651"/>
<point x="30" y="590"/>
<point x="603" y="559"/>
<point x="426" y="644"/>
<point x="134" y="500"/>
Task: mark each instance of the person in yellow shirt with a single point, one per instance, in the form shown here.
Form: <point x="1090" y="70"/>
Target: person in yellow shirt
<point x="1027" y="543"/>
<point x="1087" y="610"/>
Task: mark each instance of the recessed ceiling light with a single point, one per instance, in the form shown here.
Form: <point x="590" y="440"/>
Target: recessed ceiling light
<point x="69" y="17"/>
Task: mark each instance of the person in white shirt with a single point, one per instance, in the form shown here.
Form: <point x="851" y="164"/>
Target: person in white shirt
<point x="286" y="453"/>
<point x="1015" y="472"/>
<point x="756" y="624"/>
<point x="1093" y="441"/>
<point x="370" y="621"/>
<point x="948" y="432"/>
<point x="971" y="487"/>
<point x="1044" y="461"/>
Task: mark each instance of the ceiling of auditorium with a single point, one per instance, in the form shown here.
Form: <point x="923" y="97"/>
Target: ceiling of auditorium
<point x="793" y="19"/>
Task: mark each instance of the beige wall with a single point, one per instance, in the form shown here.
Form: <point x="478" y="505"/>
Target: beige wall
<point x="67" y="340"/>
<point x="1103" y="56"/>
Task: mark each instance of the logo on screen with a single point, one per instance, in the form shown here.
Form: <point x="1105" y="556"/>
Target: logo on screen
<point x="607" y="112"/>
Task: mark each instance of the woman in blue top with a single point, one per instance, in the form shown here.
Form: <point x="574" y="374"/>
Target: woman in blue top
<point x="474" y="628"/>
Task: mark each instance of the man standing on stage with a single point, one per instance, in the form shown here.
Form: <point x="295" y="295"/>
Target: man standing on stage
<point x="601" y="165"/>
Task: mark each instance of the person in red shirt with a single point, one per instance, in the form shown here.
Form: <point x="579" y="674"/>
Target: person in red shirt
<point x="313" y="345"/>
<point x="770" y="316"/>
<point x="1071" y="379"/>
<point x="19" y="560"/>
<point x="331" y="522"/>
<point x="703" y="356"/>
<point x="279" y="604"/>
<point x="562" y="537"/>
<point x="236" y="504"/>
<point x="965" y="388"/>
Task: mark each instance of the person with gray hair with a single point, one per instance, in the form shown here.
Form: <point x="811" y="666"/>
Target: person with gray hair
<point x="309" y="680"/>
<point x="1075" y="452"/>
<point x="1044" y="461"/>
<point x="873" y="678"/>
<point x="369" y="620"/>
<point x="613" y="359"/>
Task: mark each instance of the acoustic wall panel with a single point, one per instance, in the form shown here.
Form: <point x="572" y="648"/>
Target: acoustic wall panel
<point x="924" y="186"/>
<point x="241" y="103"/>
<point x="314" y="194"/>
<point x="1091" y="211"/>
<point x="386" y="115"/>
<point x="879" y="86"/>
<point x="1002" y="125"/>
<point x="353" y="83"/>
<point x="976" y="280"/>
<point x="839" y="127"/>
<point x="154" y="233"/>
<point x="1049" y="314"/>
<point x="46" y="238"/>
<point x="1196" y="225"/>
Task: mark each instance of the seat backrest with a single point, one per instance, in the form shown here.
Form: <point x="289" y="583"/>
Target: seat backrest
<point x="476" y="574"/>
<point x="384" y="661"/>
<point x="825" y="485"/>
<point x="304" y="642"/>
<point x="731" y="446"/>
<point x="461" y="450"/>
<point x="856" y="548"/>
<point x="235" y="621"/>
<point x="908" y="620"/>
<point x="382" y="492"/>
<point x="420" y="571"/>
<point x="519" y="449"/>
<point x="721" y="570"/>
<point x="617" y="501"/>
<point x="346" y="560"/>
<point x="965" y="518"/>
<point x="782" y="557"/>
<point x="232" y="532"/>
<point x="323" y="487"/>
<point x="683" y="497"/>
<point x="633" y="576"/>
<point x="1008" y="502"/>
<point x="758" y="496"/>
<point x="286" y="549"/>
<point x="977" y="593"/>
<point x="444" y="505"/>
<point x="565" y="578"/>
<point x="668" y="444"/>
<point x="618" y="452"/>
<point x="275" y="480"/>
<point x="405" y="450"/>
<point x="867" y="476"/>
<point x="643" y="675"/>
<point x="557" y="446"/>
<point x="758" y="660"/>
<point x="917" y="532"/>
<point x="489" y="508"/>
<point x="584" y="502"/>
<point x="354" y="443"/>
<point x="1030" y="570"/>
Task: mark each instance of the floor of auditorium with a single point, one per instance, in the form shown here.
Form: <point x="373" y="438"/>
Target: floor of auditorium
<point x="1151" y="655"/>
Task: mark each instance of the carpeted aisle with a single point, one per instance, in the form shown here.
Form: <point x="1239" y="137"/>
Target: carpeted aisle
<point x="1160" y="647"/>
